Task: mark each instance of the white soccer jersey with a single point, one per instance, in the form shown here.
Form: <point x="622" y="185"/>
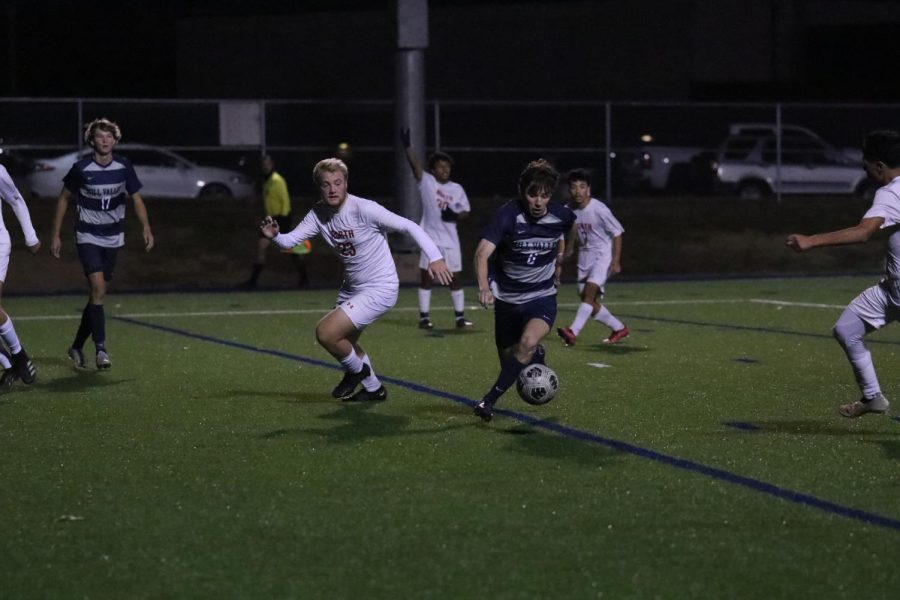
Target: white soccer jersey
<point x="358" y="235"/>
<point x="11" y="196"/>
<point x="435" y="198"/>
<point x="596" y="227"/>
<point x="887" y="206"/>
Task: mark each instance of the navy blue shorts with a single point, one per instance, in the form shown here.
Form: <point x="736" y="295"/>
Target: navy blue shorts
<point x="510" y="319"/>
<point x="95" y="259"/>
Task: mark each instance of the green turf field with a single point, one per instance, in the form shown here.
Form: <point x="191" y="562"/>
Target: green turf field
<point x="701" y="458"/>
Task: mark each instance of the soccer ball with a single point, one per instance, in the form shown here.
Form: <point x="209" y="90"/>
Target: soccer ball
<point x="537" y="384"/>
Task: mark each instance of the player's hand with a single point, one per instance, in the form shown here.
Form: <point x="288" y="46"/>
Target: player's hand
<point x="404" y="137"/>
<point x="269" y="227"/>
<point x="148" y="240"/>
<point x="439" y="272"/>
<point x="797" y="242"/>
<point x="485" y="298"/>
<point x="34" y="249"/>
<point x="614" y="269"/>
<point x="55" y="246"/>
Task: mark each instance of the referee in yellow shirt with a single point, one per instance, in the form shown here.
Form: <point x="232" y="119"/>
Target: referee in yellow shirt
<point x="277" y="203"/>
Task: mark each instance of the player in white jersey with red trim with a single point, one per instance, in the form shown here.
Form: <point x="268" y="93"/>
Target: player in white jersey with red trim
<point x="599" y="236"/>
<point x="444" y="202"/>
<point x="356" y="229"/>
<point x="880" y="304"/>
<point x="16" y="364"/>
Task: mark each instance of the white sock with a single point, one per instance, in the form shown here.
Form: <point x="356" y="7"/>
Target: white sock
<point x="459" y="300"/>
<point x="8" y="333"/>
<point x="352" y="363"/>
<point x="424" y="300"/>
<point x="581" y="317"/>
<point x="371" y="383"/>
<point x="604" y="316"/>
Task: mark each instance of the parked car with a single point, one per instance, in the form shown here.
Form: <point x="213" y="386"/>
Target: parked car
<point x="747" y="164"/>
<point x="163" y="173"/>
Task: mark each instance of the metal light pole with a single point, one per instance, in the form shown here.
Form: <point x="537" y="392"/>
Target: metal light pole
<point x="409" y="99"/>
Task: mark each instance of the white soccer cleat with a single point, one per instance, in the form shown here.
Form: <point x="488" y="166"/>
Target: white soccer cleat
<point x="877" y="404"/>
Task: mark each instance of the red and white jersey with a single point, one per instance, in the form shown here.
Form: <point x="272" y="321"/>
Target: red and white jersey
<point x="10" y="194"/>
<point x="596" y="227"/>
<point x="357" y="233"/>
<point x="435" y="198"/>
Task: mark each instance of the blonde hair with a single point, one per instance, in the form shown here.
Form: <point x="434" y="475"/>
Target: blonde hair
<point x="330" y="165"/>
<point x="103" y="125"/>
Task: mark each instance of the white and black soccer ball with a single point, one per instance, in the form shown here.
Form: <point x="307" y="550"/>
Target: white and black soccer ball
<point x="537" y="384"/>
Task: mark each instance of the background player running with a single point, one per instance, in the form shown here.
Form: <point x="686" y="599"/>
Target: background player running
<point x="355" y="228"/>
<point x="599" y="236"/>
<point x="517" y="265"/>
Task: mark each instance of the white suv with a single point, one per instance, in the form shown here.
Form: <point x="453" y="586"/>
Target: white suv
<point x="747" y="164"/>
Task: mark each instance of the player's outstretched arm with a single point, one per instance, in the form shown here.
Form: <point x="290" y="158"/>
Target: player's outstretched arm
<point x="140" y="209"/>
<point x="411" y="157"/>
<point x="482" y="254"/>
<point x="851" y="235"/>
<point x="62" y="203"/>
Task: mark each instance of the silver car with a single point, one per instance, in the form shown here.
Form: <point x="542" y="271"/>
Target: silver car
<point x="163" y="173"/>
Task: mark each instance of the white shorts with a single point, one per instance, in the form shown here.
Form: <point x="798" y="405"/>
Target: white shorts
<point x="365" y="306"/>
<point x="874" y="307"/>
<point x="595" y="272"/>
<point x="5" y="249"/>
<point x="452" y="256"/>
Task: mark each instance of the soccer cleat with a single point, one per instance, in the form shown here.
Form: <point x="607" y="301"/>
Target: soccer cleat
<point x="463" y="323"/>
<point x="7" y="380"/>
<point x="568" y="336"/>
<point x="485" y="410"/>
<point x="364" y="395"/>
<point x="425" y="323"/>
<point x="877" y="404"/>
<point x="77" y="357"/>
<point x="349" y="383"/>
<point x="616" y="336"/>
<point x="24" y="367"/>
<point x="103" y="361"/>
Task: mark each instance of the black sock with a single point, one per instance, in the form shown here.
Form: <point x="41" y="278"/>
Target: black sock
<point x="423" y="315"/>
<point x="509" y="371"/>
<point x="98" y="325"/>
<point x="84" y="329"/>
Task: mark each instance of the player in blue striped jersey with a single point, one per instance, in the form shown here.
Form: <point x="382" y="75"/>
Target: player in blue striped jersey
<point x="101" y="183"/>
<point x="517" y="266"/>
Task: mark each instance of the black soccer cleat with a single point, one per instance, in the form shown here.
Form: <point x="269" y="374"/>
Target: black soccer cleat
<point x="485" y="410"/>
<point x="349" y="383"/>
<point x="7" y="379"/>
<point x="364" y="395"/>
<point x="463" y="323"/>
<point x="24" y="367"/>
<point x="425" y="323"/>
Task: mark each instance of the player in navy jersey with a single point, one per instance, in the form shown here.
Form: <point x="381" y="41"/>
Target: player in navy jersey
<point x="517" y="266"/>
<point x="101" y="183"/>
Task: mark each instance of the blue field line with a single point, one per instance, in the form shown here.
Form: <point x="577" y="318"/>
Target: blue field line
<point x="570" y="432"/>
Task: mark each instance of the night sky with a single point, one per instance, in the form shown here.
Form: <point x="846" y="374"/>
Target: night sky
<point x="642" y="50"/>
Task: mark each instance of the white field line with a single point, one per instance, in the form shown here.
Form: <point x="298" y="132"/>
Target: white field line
<point x="796" y="304"/>
<point x="319" y="311"/>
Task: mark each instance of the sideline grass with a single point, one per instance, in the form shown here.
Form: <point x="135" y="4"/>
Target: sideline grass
<point x="211" y="461"/>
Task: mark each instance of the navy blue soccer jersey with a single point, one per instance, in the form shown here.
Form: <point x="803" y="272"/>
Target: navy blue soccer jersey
<point x="100" y="192"/>
<point x="524" y="263"/>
